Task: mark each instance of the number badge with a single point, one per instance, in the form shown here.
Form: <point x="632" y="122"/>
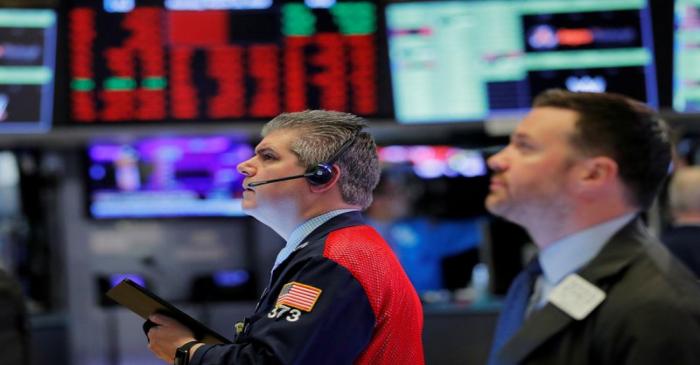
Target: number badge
<point x="282" y="311"/>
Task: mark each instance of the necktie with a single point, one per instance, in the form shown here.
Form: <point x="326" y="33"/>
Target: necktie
<point x="513" y="313"/>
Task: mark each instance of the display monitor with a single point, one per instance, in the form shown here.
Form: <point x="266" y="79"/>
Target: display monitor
<point x="27" y="66"/>
<point x="159" y="177"/>
<point x="203" y="60"/>
<point x="454" y="61"/>
<point x="686" y="73"/>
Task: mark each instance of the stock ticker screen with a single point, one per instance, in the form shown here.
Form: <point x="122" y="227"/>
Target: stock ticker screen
<point x="686" y="70"/>
<point x="27" y="64"/>
<point x="201" y="60"/>
<point x="477" y="60"/>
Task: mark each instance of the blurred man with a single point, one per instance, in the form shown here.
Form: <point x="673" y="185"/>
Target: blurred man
<point x="576" y="174"/>
<point x="420" y="241"/>
<point x="683" y="239"/>
<point x="337" y="294"/>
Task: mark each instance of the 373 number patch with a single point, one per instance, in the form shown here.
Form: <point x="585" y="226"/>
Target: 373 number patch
<point x="282" y="311"/>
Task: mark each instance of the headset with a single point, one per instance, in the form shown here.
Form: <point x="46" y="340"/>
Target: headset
<point x="317" y="175"/>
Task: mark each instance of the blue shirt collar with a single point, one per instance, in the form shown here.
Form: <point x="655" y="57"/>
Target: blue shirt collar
<point x="572" y="252"/>
<point x="303" y="231"/>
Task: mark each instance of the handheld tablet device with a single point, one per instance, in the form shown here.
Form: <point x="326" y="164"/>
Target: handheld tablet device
<point x="144" y="303"/>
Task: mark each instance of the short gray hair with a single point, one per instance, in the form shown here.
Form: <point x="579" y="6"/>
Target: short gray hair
<point x="684" y="190"/>
<point x="321" y="134"/>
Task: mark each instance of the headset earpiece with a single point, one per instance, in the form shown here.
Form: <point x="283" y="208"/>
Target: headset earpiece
<point x="320" y="175"/>
<point x="323" y="172"/>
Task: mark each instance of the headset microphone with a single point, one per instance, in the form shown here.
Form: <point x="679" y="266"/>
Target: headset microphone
<point x="263" y="182"/>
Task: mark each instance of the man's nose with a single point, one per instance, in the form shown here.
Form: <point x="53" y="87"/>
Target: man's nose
<point x="497" y="162"/>
<point x="246" y="167"/>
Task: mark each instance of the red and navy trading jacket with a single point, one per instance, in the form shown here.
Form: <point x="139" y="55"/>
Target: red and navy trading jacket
<point x="340" y="298"/>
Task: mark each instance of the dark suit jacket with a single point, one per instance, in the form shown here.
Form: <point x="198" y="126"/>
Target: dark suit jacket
<point x="684" y="242"/>
<point x="651" y="314"/>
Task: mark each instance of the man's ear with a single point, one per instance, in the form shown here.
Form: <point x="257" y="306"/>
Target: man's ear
<point x="596" y="172"/>
<point x="327" y="186"/>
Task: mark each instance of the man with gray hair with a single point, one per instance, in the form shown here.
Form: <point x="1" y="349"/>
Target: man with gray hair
<point x="683" y="239"/>
<point x="337" y="294"/>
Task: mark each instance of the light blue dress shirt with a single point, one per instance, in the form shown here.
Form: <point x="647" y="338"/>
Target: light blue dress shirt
<point x="304" y="230"/>
<point x="571" y="253"/>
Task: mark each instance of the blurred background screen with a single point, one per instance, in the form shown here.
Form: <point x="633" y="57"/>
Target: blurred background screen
<point x="27" y="69"/>
<point x="202" y="60"/>
<point x="475" y="60"/>
<point x="686" y="73"/>
<point x="183" y="176"/>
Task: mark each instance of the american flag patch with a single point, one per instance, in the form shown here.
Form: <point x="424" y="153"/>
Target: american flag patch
<point x="298" y="295"/>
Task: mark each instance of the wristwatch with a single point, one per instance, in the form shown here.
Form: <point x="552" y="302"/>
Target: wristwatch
<point x="182" y="354"/>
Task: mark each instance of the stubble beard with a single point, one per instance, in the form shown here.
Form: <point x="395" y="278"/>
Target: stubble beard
<point x="504" y="206"/>
<point x="497" y="204"/>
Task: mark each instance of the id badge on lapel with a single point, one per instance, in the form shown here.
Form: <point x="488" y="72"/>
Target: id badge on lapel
<point x="576" y="297"/>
